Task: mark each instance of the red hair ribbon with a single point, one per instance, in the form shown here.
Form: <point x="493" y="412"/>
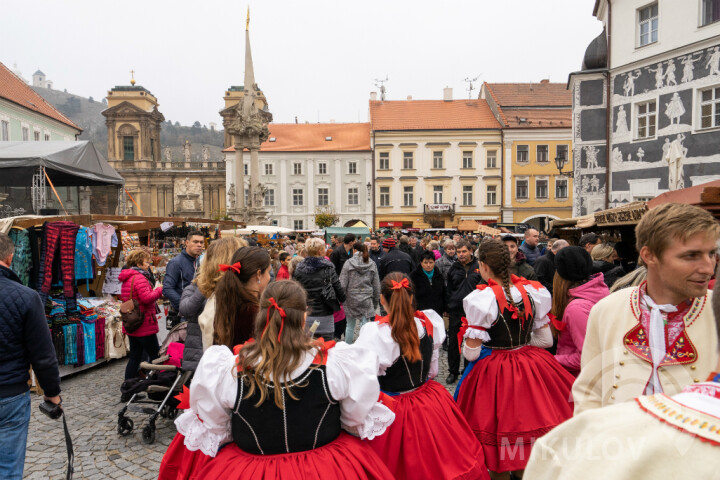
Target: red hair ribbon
<point x="404" y="283"/>
<point x="235" y="267"/>
<point x="273" y="304"/>
<point x="464" y="325"/>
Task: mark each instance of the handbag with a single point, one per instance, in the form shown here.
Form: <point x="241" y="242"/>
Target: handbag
<point x="328" y="293"/>
<point x="132" y="317"/>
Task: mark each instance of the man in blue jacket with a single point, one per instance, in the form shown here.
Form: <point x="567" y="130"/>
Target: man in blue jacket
<point x="180" y="272"/>
<point x="24" y="341"/>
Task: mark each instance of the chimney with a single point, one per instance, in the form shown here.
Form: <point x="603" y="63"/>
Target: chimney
<point x="447" y="94"/>
<point x="373" y="96"/>
<point x="409" y="97"/>
<point x="545" y="80"/>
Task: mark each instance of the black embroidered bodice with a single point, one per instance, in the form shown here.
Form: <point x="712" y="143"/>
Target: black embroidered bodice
<point x="403" y="375"/>
<point x="307" y="423"/>
<point x="508" y="332"/>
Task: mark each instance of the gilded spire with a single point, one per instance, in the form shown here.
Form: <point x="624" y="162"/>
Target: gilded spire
<point x="247" y="22"/>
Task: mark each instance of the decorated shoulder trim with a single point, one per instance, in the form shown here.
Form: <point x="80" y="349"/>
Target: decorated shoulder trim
<point x="698" y="424"/>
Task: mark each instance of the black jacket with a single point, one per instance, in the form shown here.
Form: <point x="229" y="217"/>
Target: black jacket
<point x="192" y="304"/>
<point x="313" y="273"/>
<point x="339" y="256"/>
<point x="460" y="283"/>
<point x="179" y="274"/>
<point x="545" y="269"/>
<point x="24" y="339"/>
<point x="610" y="271"/>
<point x="429" y="295"/>
<point x="395" y="261"/>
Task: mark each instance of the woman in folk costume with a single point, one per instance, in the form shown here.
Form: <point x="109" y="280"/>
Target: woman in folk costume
<point x="429" y="439"/>
<point x="277" y="407"/>
<point x="513" y="391"/>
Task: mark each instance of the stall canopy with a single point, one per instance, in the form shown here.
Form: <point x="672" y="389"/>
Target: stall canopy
<point x="66" y="163"/>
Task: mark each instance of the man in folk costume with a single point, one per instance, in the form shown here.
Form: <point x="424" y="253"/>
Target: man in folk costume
<point x="656" y="436"/>
<point x="660" y="336"/>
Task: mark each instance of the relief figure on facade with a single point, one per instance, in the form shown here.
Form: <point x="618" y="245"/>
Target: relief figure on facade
<point x="713" y="62"/>
<point x="688" y="66"/>
<point x="629" y="86"/>
<point x="659" y="75"/>
<point x="674" y="109"/>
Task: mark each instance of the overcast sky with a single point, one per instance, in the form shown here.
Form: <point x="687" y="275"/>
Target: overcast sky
<point x="314" y="59"/>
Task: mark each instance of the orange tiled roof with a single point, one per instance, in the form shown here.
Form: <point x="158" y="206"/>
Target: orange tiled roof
<point x="543" y="94"/>
<point x="17" y="91"/>
<point x="538" y="117"/>
<point x="431" y="115"/>
<point x="311" y="137"/>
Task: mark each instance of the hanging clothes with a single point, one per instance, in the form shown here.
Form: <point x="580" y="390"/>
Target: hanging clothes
<point x="22" y="259"/>
<point x="103" y="239"/>
<point x="83" y="254"/>
<point x="58" y="235"/>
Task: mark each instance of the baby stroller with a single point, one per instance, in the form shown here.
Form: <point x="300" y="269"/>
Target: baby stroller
<point x="163" y="380"/>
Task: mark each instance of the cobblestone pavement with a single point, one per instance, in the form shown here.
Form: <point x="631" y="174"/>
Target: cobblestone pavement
<point x="91" y="400"/>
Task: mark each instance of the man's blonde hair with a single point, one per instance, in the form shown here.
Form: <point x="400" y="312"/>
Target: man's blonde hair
<point x="673" y="221"/>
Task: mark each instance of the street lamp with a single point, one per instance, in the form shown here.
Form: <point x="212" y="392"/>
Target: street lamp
<point x="560" y="162"/>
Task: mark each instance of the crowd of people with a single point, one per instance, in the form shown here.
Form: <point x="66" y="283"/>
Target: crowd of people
<point x="320" y="362"/>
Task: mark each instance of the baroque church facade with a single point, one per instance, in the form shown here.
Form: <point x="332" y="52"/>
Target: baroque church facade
<point x="656" y="126"/>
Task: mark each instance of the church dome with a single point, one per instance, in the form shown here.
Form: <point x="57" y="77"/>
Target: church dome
<point x="596" y="53"/>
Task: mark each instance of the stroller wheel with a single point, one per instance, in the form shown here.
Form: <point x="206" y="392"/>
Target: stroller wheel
<point x="148" y="434"/>
<point x="125" y="426"/>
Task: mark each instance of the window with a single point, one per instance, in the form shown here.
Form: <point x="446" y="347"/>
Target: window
<point x="408" y="196"/>
<point x="352" y="168"/>
<point x="323" y="196"/>
<point x="710" y="11"/>
<point x="297" y="168"/>
<point x="128" y="149"/>
<point x="542" y="154"/>
<point x="521" y="188"/>
<point x="4" y="131"/>
<point x="268" y="169"/>
<point x="246" y="168"/>
<point x="384" y="160"/>
<point x="492" y="195"/>
<point x="25" y="134"/>
<point x="47" y="137"/>
<point x="437" y="159"/>
<point x="561" y="188"/>
<point x="648" y="25"/>
<point x="353" y="197"/>
<point x="298" y="225"/>
<point x="384" y="196"/>
<point x="467" y="159"/>
<point x="562" y="151"/>
<point x="437" y="194"/>
<point x="297" y="197"/>
<point x="541" y="188"/>
<point x="522" y="153"/>
<point x="407" y="160"/>
<point x="269" y="197"/>
<point x="36" y="136"/>
<point x="492" y="159"/>
<point x="710" y="108"/>
<point x="646" y="119"/>
<point x="467" y="195"/>
<point x="322" y="168"/>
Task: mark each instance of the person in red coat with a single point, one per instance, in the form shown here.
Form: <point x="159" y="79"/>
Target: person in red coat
<point x="143" y="340"/>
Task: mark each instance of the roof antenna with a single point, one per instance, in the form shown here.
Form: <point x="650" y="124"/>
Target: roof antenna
<point x="470" y="87"/>
<point x="380" y="83"/>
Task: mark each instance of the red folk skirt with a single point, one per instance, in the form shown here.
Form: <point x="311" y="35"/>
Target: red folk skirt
<point x="430" y="438"/>
<point x="513" y="397"/>
<point x="346" y="457"/>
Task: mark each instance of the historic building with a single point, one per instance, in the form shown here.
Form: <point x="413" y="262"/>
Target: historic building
<point x="26" y="116"/>
<point x="437" y="162"/>
<point x="157" y="184"/>
<point x="646" y="107"/>
<point x="309" y="166"/>
<point x="536" y="121"/>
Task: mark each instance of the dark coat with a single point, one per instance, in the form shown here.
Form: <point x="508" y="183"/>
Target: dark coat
<point x="460" y="282"/>
<point x="521" y="268"/>
<point x="24" y="340"/>
<point x="395" y="261"/>
<point x="191" y="306"/>
<point x="339" y="256"/>
<point x="610" y="271"/>
<point x="429" y="295"/>
<point x="313" y="273"/>
<point x="179" y="274"/>
<point x="545" y="269"/>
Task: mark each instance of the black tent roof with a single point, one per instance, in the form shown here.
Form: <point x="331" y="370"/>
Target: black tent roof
<point x="67" y="164"/>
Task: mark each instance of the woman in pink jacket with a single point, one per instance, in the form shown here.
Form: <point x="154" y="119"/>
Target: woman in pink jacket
<point x="143" y="340"/>
<point x="575" y="292"/>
